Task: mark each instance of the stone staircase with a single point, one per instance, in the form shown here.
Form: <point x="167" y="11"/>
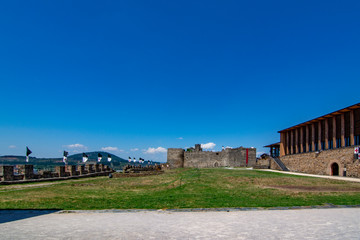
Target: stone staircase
<point x="280" y="164"/>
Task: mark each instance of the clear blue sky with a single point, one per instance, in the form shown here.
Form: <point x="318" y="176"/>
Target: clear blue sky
<point x="148" y="74"/>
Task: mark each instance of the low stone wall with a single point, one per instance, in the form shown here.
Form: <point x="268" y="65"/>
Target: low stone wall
<point x="141" y="174"/>
<point x="263" y="163"/>
<point x="267" y="163"/>
<point x="321" y="162"/>
<point x="140" y="169"/>
<point x="274" y="165"/>
<point x="61" y="173"/>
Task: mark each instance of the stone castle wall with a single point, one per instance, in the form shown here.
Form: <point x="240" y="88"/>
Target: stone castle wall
<point x="236" y="157"/>
<point x="320" y="163"/>
<point x="175" y="157"/>
<point x="204" y="159"/>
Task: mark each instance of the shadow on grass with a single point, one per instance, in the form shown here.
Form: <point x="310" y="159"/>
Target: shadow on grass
<point x="14" y="215"/>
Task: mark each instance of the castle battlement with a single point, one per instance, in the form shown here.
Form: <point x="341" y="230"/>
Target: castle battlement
<point x="196" y="157"/>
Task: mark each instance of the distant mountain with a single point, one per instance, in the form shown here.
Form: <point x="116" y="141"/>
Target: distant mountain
<point x="93" y="156"/>
<point x="116" y="162"/>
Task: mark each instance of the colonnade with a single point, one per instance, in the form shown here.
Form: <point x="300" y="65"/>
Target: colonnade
<point x="335" y="130"/>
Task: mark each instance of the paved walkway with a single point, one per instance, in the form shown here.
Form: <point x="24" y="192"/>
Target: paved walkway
<point x="264" y="224"/>
<point x="350" y="179"/>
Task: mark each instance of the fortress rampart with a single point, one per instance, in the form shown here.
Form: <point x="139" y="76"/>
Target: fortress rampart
<point x="8" y="175"/>
<point x="195" y="157"/>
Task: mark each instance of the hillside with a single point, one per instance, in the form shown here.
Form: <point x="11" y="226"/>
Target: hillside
<point x="48" y="163"/>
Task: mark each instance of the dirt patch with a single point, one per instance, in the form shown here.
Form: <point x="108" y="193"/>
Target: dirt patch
<point x="316" y="188"/>
<point x="143" y="174"/>
<point x="265" y="182"/>
<point x="83" y="184"/>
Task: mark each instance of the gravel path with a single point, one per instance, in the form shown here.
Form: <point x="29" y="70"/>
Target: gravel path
<point x="349" y="179"/>
<point x="341" y="223"/>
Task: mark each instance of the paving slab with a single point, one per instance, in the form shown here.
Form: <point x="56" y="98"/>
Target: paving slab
<point x="335" y="223"/>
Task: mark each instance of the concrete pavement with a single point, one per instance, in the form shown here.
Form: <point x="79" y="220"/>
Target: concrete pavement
<point x="343" y="223"/>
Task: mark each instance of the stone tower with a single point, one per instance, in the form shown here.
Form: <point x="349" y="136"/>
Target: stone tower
<point x="198" y="148"/>
<point x="175" y="157"/>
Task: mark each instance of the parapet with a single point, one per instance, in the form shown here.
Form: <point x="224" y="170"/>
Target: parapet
<point x="9" y="176"/>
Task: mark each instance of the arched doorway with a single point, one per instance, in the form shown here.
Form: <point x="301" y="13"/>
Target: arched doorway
<point x="216" y="164"/>
<point x="334" y="169"/>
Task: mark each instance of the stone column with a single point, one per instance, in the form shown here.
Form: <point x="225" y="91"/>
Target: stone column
<point x="282" y="143"/>
<point x="97" y="168"/>
<point x="319" y="135"/>
<point x="103" y="168"/>
<point x="342" y="130"/>
<point x="301" y="139"/>
<point x="81" y="169"/>
<point x="8" y="173"/>
<point x="72" y="170"/>
<point x="60" y="170"/>
<point x="90" y="168"/>
<point x="313" y="136"/>
<point x="296" y="140"/>
<point x="352" y="142"/>
<point x="326" y="133"/>
<point x="29" y="171"/>
<point x="307" y="138"/>
<point x="334" y="132"/>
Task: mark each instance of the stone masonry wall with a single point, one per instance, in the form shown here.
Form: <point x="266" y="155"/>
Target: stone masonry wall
<point x="204" y="159"/>
<point x="175" y="157"/>
<point x="235" y="157"/>
<point x="230" y="157"/>
<point x="320" y="163"/>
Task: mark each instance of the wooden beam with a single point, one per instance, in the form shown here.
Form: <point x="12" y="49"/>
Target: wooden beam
<point x="352" y="128"/>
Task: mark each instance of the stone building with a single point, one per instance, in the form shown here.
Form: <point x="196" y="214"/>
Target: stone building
<point x="196" y="157"/>
<point x="324" y="145"/>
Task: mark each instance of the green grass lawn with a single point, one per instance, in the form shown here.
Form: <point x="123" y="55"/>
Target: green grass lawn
<point x="182" y="188"/>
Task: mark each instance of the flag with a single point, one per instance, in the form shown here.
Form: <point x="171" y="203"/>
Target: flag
<point x="134" y="159"/>
<point x="85" y="157"/>
<point x="129" y="159"/>
<point x="99" y="157"/>
<point x="109" y="158"/>
<point x="65" y="157"/>
<point x="28" y="152"/>
<point x="148" y="162"/>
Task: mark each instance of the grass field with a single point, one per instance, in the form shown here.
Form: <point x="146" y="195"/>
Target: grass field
<point x="182" y="188"/>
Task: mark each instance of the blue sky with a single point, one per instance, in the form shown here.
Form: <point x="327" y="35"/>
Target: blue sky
<point x="149" y="75"/>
